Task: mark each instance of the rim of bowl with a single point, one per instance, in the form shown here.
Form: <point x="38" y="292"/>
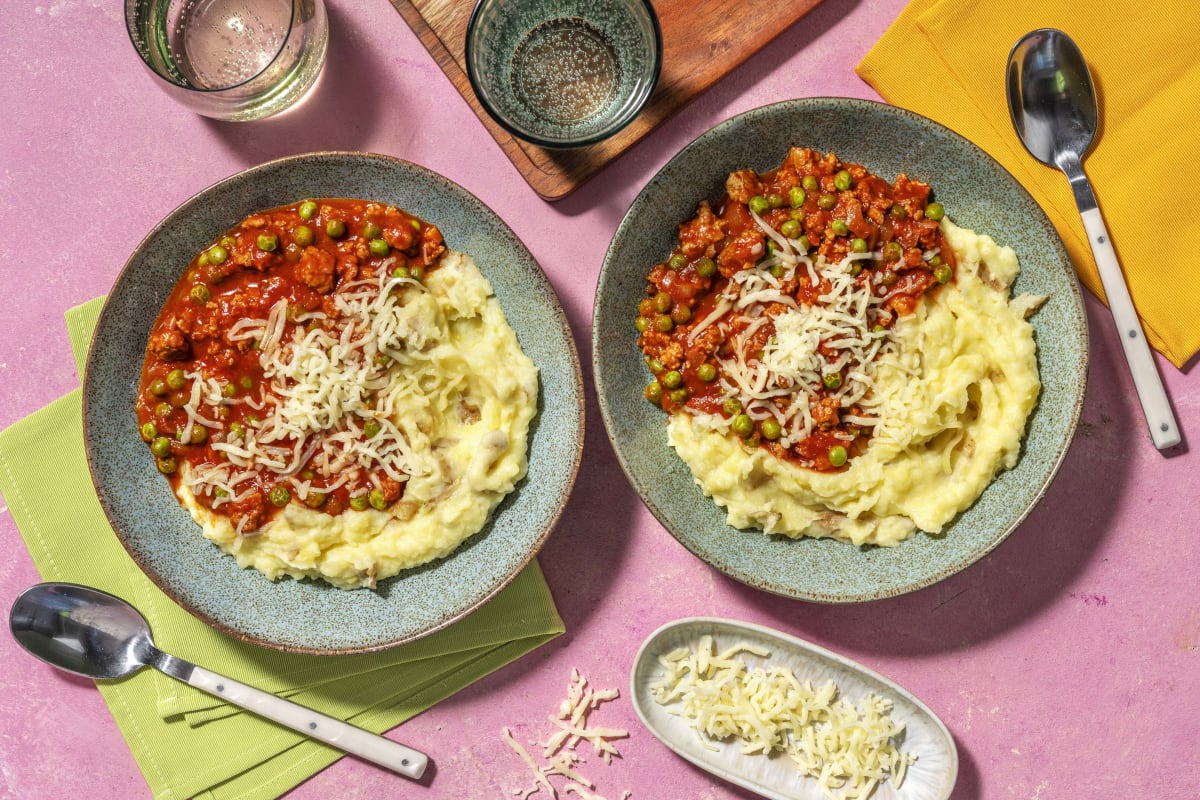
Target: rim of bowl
<point x="563" y="144"/>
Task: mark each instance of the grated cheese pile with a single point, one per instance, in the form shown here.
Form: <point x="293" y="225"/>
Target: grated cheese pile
<point x="786" y="377"/>
<point x="321" y="386"/>
<point x="559" y="750"/>
<point x="849" y="749"/>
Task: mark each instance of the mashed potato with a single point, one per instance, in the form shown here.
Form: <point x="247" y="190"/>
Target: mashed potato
<point x="955" y="398"/>
<point x="463" y="404"/>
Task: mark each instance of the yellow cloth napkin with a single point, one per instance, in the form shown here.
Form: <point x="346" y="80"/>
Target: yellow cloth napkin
<point x="186" y="742"/>
<point x="946" y="59"/>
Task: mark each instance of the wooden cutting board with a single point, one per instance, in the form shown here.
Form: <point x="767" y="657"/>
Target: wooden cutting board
<point x="703" y="40"/>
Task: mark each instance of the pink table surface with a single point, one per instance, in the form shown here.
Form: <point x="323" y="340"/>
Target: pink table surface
<point x="1066" y="663"/>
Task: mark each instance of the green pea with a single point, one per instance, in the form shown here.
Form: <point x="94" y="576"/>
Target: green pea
<point x="202" y="259"/>
<point x="664" y="324"/>
<point x="770" y="429"/>
<point x="936" y="261"/>
<point x="415" y="224"/>
<point x="706" y="267"/>
<point x="706" y="372"/>
<point x="307" y="475"/>
<point x="935" y="212"/>
<point x="201" y="294"/>
<point x="840" y="227"/>
<point x="855" y="268"/>
<point x="943" y="274"/>
<point x="672" y="379"/>
<point x="163" y="410"/>
<point x="679" y="396"/>
<point x="377" y="500"/>
<point x="758" y="204"/>
<point x="161" y="447"/>
<point x="777" y="270"/>
<point x="178" y="400"/>
<point x="236" y="429"/>
<point x="810" y="183"/>
<point x="149" y="431"/>
<point x="653" y="392"/>
<point x="246" y="382"/>
<point x="663" y="302"/>
<point x="379" y="247"/>
<point x="401" y="272"/>
<point x="796" y="197"/>
<point x="371" y="231"/>
<point x="858" y="245"/>
<point x="279" y="496"/>
<point x="842" y="180"/>
<point x="228" y="241"/>
<point x="303" y="235"/>
<point x="176" y="379"/>
<point x="166" y="465"/>
<point x="681" y="315"/>
<point x="642" y="324"/>
<point x="199" y="434"/>
<point x="314" y="499"/>
<point x="837" y="455"/>
<point x="335" y="228"/>
<point x="217" y="254"/>
<point x="892" y="251"/>
<point x="417" y="272"/>
<point x="887" y="278"/>
<point x="268" y="242"/>
<point x="677" y="262"/>
<point x="827" y="201"/>
<point x="308" y="209"/>
<point x="158" y="388"/>
<point x="359" y="502"/>
<point x="774" y="200"/>
<point x="654" y="365"/>
<point x="790" y="229"/>
<point x="732" y="406"/>
<point x="803" y="244"/>
<point x="898" y="212"/>
<point x="771" y="247"/>
<point x="229" y="390"/>
<point x="371" y="428"/>
<point x="742" y="425"/>
<point x="832" y="380"/>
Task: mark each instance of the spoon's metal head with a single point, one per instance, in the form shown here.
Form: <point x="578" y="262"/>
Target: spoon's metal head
<point x="1050" y="96"/>
<point x="81" y="630"/>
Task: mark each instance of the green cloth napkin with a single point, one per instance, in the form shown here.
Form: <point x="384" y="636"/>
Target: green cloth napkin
<point x="186" y="742"/>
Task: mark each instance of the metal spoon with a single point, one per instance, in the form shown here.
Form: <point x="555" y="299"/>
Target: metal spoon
<point x="94" y="634"/>
<point x="1053" y="108"/>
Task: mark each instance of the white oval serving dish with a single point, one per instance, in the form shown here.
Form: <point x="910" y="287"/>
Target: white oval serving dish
<point x="931" y="777"/>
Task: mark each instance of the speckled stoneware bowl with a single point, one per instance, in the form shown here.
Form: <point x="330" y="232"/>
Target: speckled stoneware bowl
<point x="304" y="616"/>
<point x="931" y="777"/>
<point x="563" y="73"/>
<point x="978" y="193"/>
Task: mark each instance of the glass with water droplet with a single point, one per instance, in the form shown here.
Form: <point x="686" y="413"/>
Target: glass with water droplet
<point x="231" y="59"/>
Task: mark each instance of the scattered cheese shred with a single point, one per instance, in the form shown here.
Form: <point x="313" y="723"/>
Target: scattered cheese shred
<point x="850" y="749"/>
<point x="559" y="749"/>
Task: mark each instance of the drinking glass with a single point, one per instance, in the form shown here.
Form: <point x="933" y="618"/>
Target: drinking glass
<point x="231" y="59"/>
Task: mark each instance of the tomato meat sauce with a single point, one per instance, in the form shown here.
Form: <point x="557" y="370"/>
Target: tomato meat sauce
<point x="204" y="384"/>
<point x="814" y="232"/>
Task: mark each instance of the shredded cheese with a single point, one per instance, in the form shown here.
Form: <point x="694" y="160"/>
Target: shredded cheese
<point x="559" y="749"/>
<point x="849" y="749"/>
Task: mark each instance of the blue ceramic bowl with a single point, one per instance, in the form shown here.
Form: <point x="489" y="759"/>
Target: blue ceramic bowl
<point x="978" y="193"/>
<point x="563" y="73"/>
<point x="306" y="616"/>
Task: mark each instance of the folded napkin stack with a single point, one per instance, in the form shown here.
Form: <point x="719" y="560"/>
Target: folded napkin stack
<point x="186" y="742"/>
<point x="946" y="59"/>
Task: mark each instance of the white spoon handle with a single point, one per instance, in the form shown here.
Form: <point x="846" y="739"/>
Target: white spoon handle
<point x="1164" y="431"/>
<point x="341" y="735"/>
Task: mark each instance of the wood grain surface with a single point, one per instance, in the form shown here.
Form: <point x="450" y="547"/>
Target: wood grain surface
<point x="703" y="40"/>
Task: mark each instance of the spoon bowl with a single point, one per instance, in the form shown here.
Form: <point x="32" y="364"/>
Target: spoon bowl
<point x="1052" y="103"/>
<point x="95" y="634"/>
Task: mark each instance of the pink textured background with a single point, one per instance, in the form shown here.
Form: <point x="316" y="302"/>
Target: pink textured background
<point x="1067" y="663"/>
